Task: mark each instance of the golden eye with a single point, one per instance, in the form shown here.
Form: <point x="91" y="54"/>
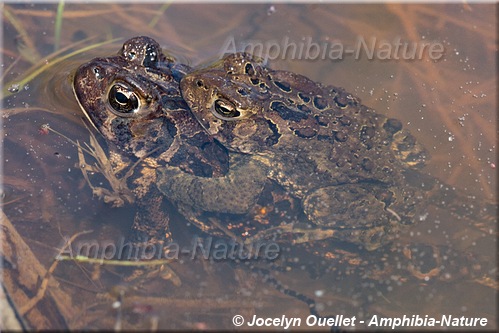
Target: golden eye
<point x="123" y="100"/>
<point x="226" y="109"/>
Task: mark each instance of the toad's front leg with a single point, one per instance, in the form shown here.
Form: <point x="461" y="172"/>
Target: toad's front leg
<point x="236" y="192"/>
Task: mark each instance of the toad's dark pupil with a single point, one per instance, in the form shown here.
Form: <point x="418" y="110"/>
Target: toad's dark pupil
<point x="122" y="99"/>
<point x="225" y="109"/>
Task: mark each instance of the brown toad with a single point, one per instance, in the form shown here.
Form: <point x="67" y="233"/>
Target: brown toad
<point x="133" y="100"/>
<point x="355" y="170"/>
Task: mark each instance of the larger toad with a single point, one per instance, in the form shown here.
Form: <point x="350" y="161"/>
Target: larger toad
<point x="355" y="170"/>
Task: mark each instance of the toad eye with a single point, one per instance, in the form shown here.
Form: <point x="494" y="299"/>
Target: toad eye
<point x="123" y="100"/>
<point x="225" y="109"/>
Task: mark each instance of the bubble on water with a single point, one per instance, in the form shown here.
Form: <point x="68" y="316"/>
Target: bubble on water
<point x="423" y="217"/>
<point x="319" y="293"/>
<point x="14" y="88"/>
<point x="462" y="119"/>
<point x="320" y="306"/>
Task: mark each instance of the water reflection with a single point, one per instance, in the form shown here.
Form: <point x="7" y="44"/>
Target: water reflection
<point x="448" y="105"/>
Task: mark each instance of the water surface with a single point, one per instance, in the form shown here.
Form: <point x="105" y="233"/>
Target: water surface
<point x="449" y="105"/>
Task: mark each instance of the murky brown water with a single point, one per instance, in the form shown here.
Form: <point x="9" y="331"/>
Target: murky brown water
<point x="449" y="105"/>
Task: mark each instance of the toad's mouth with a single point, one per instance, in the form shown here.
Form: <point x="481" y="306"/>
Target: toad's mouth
<point x="78" y="100"/>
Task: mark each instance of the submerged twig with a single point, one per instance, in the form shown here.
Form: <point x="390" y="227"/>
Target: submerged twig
<point x="44" y="284"/>
<point x="58" y="25"/>
<point x="48" y="62"/>
<point x="33" y="56"/>
<point x="160" y="12"/>
<point x="120" y="192"/>
<point x="112" y="262"/>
